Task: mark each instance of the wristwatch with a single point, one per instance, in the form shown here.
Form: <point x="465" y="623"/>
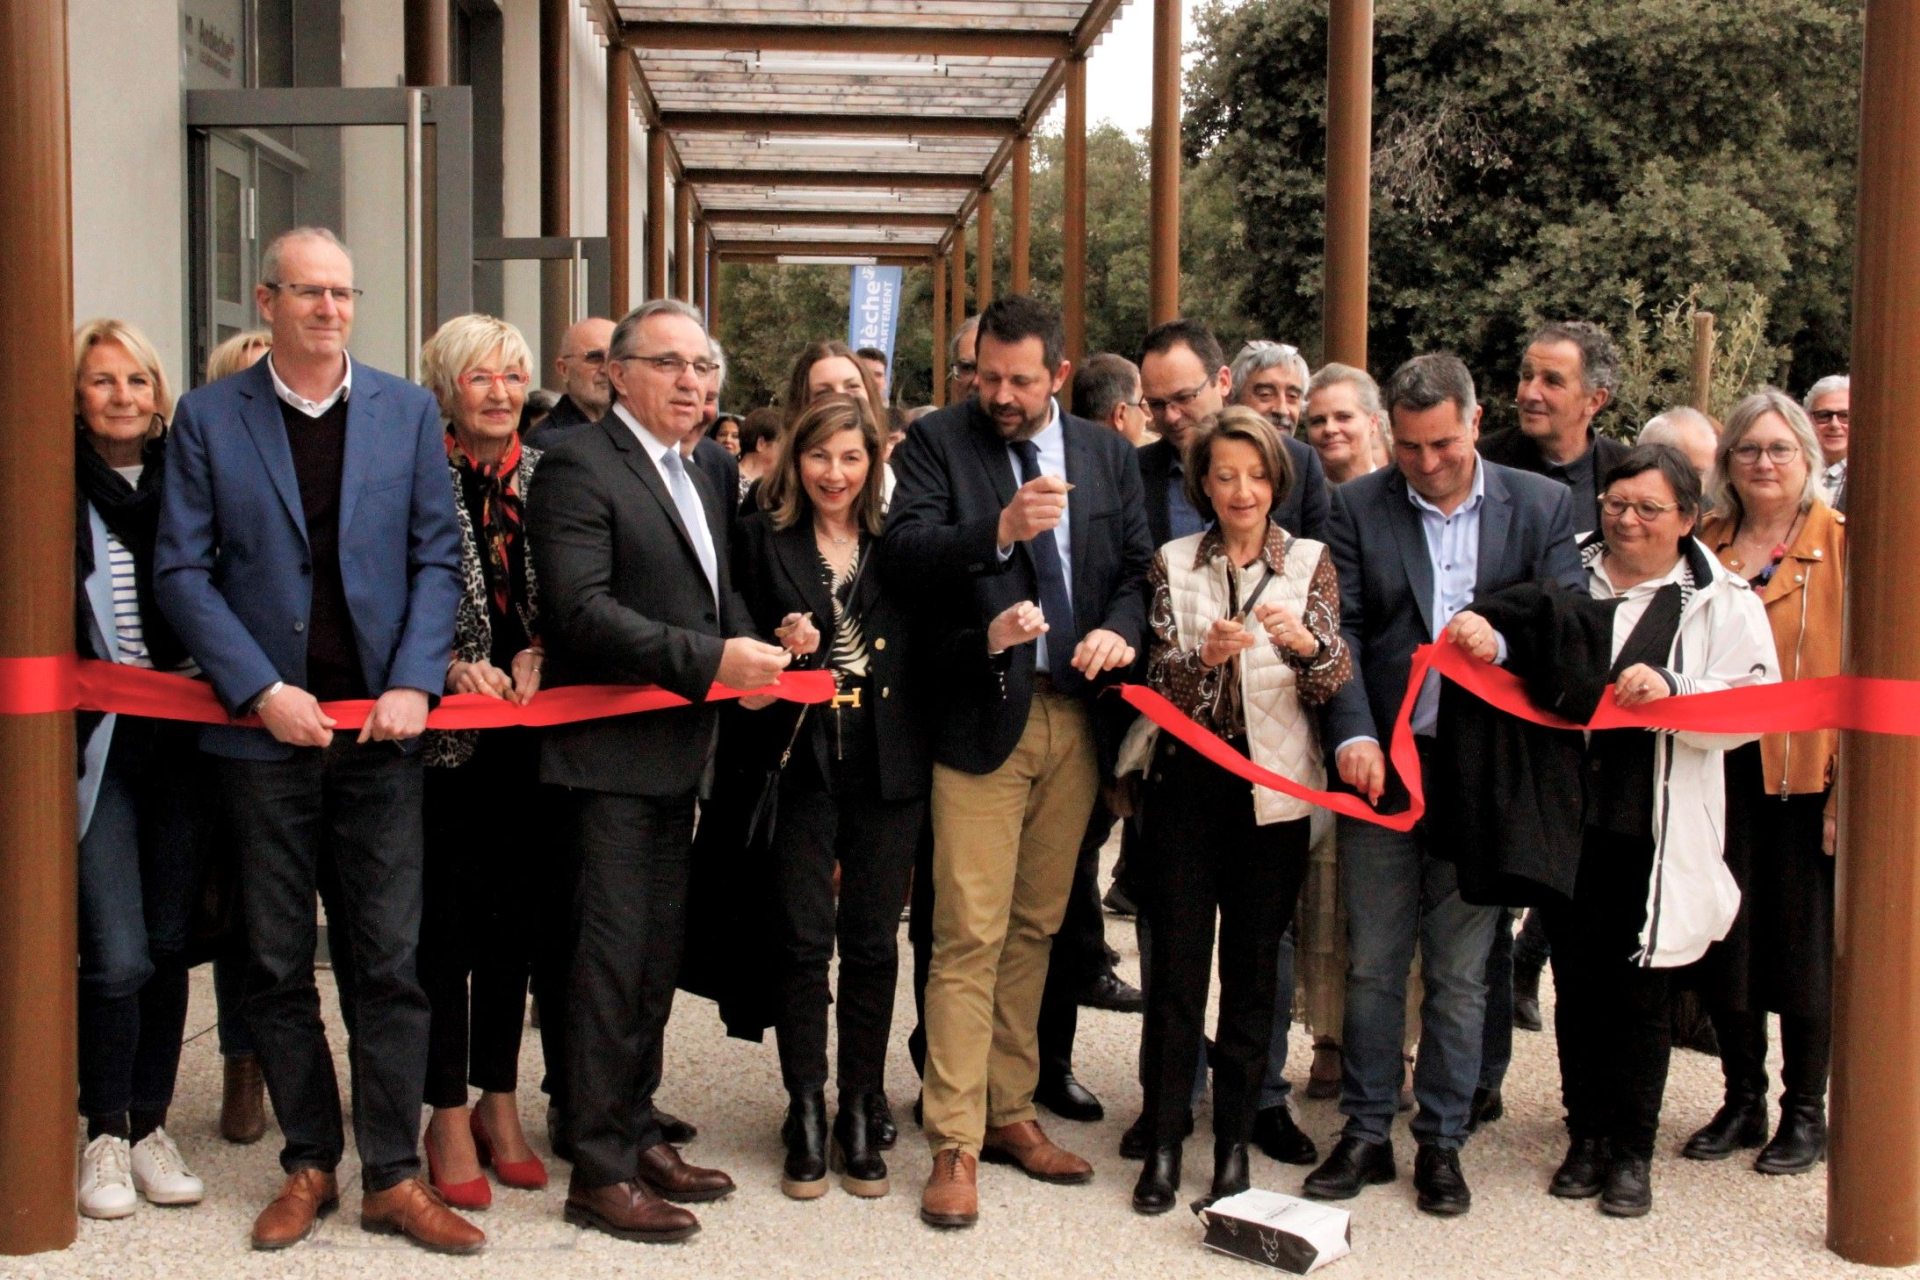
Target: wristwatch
<point x="265" y="694"/>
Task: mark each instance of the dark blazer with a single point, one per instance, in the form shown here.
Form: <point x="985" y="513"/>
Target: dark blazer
<point x="1514" y="448"/>
<point x="624" y="601"/>
<point x="721" y="468"/>
<point x="1306" y="511"/>
<point x="1386" y="581"/>
<point x="565" y="418"/>
<point x="779" y="573"/>
<point x="231" y="567"/>
<point x="942" y="553"/>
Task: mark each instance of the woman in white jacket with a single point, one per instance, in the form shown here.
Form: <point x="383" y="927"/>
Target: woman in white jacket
<point x="1653" y="890"/>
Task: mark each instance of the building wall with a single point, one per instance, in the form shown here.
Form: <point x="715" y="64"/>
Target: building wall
<point x="374" y="177"/>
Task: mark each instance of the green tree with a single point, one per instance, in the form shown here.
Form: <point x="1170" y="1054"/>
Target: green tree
<point x="1538" y="160"/>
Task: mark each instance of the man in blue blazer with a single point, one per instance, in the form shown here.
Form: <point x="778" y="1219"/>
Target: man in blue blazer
<point x="308" y="552"/>
<point x="1413" y="545"/>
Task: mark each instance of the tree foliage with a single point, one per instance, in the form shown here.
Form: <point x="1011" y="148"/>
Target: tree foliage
<point x="1534" y="159"/>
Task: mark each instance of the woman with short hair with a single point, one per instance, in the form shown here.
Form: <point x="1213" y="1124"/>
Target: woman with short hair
<point x="1345" y="422"/>
<point x="238" y="352"/>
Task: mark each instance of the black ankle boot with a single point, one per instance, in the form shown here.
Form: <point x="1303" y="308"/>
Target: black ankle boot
<point x="1526" y="997"/>
<point x="856" y="1157"/>
<point x="1740" y="1122"/>
<point x="1801" y="1140"/>
<point x="804" y="1176"/>
<point x="1159" y="1180"/>
<point x="1229" y="1170"/>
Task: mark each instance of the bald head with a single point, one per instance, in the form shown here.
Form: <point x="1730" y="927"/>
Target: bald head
<point x="1688" y="430"/>
<point x="582" y="365"/>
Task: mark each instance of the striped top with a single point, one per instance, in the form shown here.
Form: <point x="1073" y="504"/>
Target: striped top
<point x="849" y="651"/>
<point x="130" y="634"/>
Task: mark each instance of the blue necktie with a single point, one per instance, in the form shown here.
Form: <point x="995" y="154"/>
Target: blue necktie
<point x="1056" y="601"/>
<point x="693" y="515"/>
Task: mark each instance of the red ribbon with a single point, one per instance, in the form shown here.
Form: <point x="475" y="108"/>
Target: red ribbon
<point x="35" y="686"/>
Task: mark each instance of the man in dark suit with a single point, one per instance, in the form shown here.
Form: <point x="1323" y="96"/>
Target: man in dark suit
<point x="308" y="552"/>
<point x="1567" y="376"/>
<point x="1023" y="531"/>
<point x="721" y="468"/>
<point x="582" y="366"/>
<point x="1413" y="545"/>
<point x="631" y="550"/>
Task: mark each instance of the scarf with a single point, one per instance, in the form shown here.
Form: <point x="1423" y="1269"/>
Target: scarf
<point x="132" y="515"/>
<point x="501" y="513"/>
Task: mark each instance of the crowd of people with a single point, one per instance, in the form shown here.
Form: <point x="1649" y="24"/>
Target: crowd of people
<point x="1261" y="544"/>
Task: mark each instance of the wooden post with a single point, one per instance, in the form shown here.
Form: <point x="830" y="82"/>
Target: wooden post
<point x="556" y="173"/>
<point x="957" y="285"/>
<point x="1702" y="361"/>
<point x="426" y="42"/>
<point x="1349" y="178"/>
<point x="1163" y="182"/>
<point x="939" y="395"/>
<point x="983" y="265"/>
<point x="1021" y="270"/>
<point x="38" y="910"/>
<point x="683" y="241"/>
<point x="713" y="285"/>
<point x="699" y="264"/>
<point x="1873" y="1171"/>
<point x="657" y="213"/>
<point x="619" y="178"/>
<point x="1073" y="248"/>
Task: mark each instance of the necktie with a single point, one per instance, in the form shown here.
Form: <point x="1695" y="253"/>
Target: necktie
<point x="1056" y="601"/>
<point x="693" y="515"/>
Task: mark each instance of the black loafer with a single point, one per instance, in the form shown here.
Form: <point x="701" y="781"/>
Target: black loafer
<point x="1276" y="1134"/>
<point x="1739" y="1123"/>
<point x="1067" y="1098"/>
<point x="1629" y="1189"/>
<point x="1159" y="1183"/>
<point x="1584" y="1172"/>
<point x="1354" y="1164"/>
<point x="1136" y="1142"/>
<point x="1442" y="1186"/>
<point x="1111" y="991"/>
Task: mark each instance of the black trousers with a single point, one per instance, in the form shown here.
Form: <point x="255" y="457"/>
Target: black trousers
<point x="630" y="910"/>
<point x="486" y="844"/>
<point x="920" y="939"/>
<point x="1079" y="949"/>
<point x="872" y="839"/>
<point x="1612" y="1018"/>
<point x="1205" y="855"/>
<point x="1806" y="1054"/>
<point x="361" y="804"/>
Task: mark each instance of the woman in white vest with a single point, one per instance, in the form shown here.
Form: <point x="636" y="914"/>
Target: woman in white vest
<point x="1246" y="640"/>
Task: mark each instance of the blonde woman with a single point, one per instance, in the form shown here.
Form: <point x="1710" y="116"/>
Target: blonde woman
<point x="237" y="353"/>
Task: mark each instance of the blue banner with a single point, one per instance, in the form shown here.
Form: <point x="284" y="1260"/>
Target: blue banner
<point x="873" y="315"/>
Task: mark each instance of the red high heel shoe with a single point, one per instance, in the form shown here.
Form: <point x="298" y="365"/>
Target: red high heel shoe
<point x="475" y="1193"/>
<point x="528" y="1175"/>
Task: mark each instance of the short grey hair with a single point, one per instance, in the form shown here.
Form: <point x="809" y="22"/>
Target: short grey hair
<point x="1599" y="358"/>
<point x="1721" y="495"/>
<point x="967" y="326"/>
<point x="621" y="343"/>
<point x="1365" y="390"/>
<point x="277" y="247"/>
<point x="1671" y="427"/>
<point x="720" y="358"/>
<point x="1260" y="355"/>
<point x="1432" y="379"/>
<point x="1825" y="387"/>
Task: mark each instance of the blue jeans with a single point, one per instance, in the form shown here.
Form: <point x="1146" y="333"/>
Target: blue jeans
<point x="1399" y="895"/>
<point x="1275" y="1086"/>
<point x="1496" y="1038"/>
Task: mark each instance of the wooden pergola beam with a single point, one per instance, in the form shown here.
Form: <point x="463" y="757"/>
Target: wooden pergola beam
<point x="785" y="38"/>
<point x="878" y="259"/>
<point x="834" y="179"/>
<point x="831" y="218"/>
<point x="731" y="249"/>
<point x="831" y="122"/>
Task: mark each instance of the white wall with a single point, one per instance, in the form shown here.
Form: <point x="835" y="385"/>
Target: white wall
<point x="520" y="151"/>
<point x="374" y="177"/>
<point x="129" y="170"/>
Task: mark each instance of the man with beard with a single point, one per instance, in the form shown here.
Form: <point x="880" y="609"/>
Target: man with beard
<point x="1271" y="379"/>
<point x="1023" y="531"/>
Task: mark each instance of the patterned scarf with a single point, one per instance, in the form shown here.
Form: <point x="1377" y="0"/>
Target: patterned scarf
<point x="500" y="512"/>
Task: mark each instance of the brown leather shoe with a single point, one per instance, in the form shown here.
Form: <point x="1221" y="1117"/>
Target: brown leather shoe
<point x="662" y="1169"/>
<point x="952" y="1195"/>
<point x="1025" y="1145"/>
<point x="416" y="1211"/>
<point x="307" y="1196"/>
<point x="243" y="1101"/>
<point x="629" y="1210"/>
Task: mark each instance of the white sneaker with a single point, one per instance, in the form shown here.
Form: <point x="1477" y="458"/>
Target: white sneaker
<point x="161" y="1173"/>
<point x="106" y="1178"/>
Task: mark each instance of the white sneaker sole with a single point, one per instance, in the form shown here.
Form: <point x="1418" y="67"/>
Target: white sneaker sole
<point x="109" y="1212"/>
<point x="158" y="1196"/>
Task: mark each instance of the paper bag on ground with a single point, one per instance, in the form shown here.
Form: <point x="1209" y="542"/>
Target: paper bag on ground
<point x="1279" y="1231"/>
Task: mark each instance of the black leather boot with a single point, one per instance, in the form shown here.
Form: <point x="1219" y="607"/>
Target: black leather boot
<point x="856" y="1157"/>
<point x="1740" y="1122"/>
<point x="1583" y="1174"/>
<point x="1526" y="997"/>
<point x="1159" y="1180"/>
<point x="804" y="1176"/>
<point x="1230" y="1176"/>
<point x="1801" y="1140"/>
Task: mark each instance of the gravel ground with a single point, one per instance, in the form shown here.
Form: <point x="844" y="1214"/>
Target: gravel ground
<point x="1708" y="1219"/>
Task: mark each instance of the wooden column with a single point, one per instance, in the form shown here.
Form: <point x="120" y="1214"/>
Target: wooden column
<point x="657" y="213"/>
<point x="556" y="173"/>
<point x="1073" y="247"/>
<point x="426" y="53"/>
<point x="38" y="910"/>
<point x="619" y="179"/>
<point x="1163" y="180"/>
<point x="983" y="264"/>
<point x="957" y="285"/>
<point x="713" y="285"/>
<point x="1021" y="270"/>
<point x="940" y="335"/>
<point x="683" y="240"/>
<point x="700" y="264"/>
<point x="1873" y="1171"/>
<point x="1349" y="178"/>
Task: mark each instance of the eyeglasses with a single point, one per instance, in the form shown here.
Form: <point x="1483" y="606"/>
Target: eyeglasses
<point x="1178" y="400"/>
<point x="342" y="295"/>
<point x="1829" y="415"/>
<point x="1647" y="511"/>
<point x="1780" y="453"/>
<point x="674" y="366"/>
<point x="512" y="379"/>
<point x="962" y="369"/>
<point x="596" y="357"/>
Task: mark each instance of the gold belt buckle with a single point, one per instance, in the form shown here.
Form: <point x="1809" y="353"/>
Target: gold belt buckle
<point x="846" y="698"/>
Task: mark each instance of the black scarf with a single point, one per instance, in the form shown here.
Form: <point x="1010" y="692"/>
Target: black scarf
<point x="132" y="515"/>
